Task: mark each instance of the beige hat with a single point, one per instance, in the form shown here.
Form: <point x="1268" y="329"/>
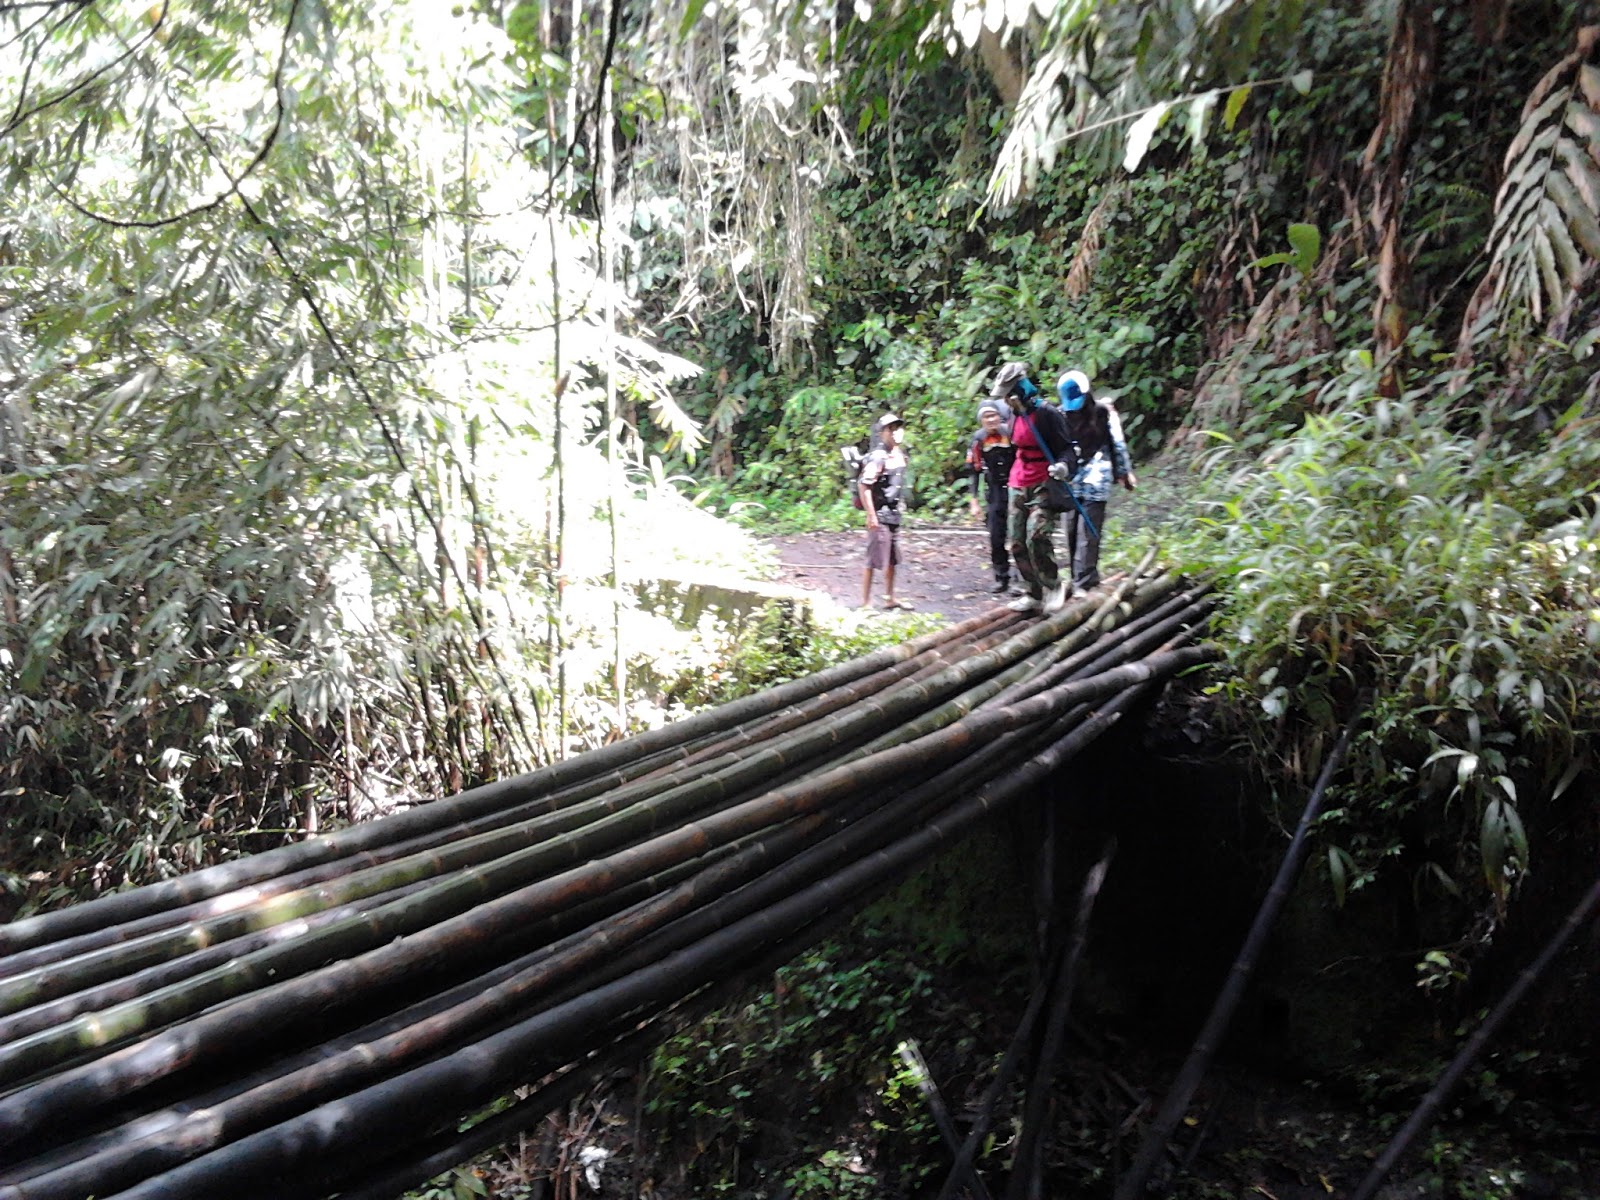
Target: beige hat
<point x="1007" y="379"/>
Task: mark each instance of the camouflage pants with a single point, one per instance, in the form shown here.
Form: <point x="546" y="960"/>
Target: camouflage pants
<point x="1030" y="528"/>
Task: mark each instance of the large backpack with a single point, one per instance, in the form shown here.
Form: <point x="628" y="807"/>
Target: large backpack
<point x="854" y="460"/>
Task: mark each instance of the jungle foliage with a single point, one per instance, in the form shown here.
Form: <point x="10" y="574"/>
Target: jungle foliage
<point x="1337" y="259"/>
<point x="354" y="358"/>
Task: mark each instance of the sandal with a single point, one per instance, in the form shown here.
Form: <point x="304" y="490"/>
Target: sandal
<point x="891" y="605"/>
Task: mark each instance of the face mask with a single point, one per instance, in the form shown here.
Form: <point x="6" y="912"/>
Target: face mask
<point x="1024" y="398"/>
<point x="1071" y="397"/>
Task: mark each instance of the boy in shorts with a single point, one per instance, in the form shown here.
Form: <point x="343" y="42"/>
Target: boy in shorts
<point x="883" y="476"/>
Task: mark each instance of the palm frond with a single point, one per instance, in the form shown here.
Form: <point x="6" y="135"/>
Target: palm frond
<point x="1087" y="252"/>
<point x="1547" y="212"/>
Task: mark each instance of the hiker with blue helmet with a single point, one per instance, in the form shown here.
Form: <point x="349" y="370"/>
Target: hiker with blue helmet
<point x="989" y="456"/>
<point x="1102" y="457"/>
<point x="1044" y="450"/>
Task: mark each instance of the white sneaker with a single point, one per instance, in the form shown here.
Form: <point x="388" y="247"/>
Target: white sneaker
<point x="1024" y="604"/>
<point x="1057" y="597"/>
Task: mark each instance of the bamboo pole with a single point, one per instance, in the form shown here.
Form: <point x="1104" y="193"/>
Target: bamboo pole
<point x="608" y="234"/>
<point x="414" y="1034"/>
<point x="1216" y="1024"/>
<point x="1027" y="1177"/>
<point x="1425" y="1112"/>
<point x="585" y="805"/>
<point x="89" y="1084"/>
<point x="400" y="1105"/>
<point x="436" y="918"/>
<point x="121" y="988"/>
<point x="439" y="915"/>
<point x="214" y="881"/>
<point x="417" y="1166"/>
<point x="911" y="1054"/>
<point x="1009" y="1064"/>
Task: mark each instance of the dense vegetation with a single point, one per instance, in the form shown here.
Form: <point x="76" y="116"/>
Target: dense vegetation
<point x="356" y="361"/>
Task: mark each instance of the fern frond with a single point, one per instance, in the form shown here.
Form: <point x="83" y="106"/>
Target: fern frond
<point x="1547" y="212"/>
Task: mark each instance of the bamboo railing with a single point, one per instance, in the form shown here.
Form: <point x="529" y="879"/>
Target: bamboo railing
<point x="319" y="1019"/>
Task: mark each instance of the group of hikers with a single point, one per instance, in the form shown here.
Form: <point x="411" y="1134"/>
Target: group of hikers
<point x="1039" y="462"/>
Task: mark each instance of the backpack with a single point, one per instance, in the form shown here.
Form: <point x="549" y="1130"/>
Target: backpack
<point x="854" y="460"/>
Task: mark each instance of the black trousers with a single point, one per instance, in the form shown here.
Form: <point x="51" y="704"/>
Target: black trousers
<point x="995" y="518"/>
<point x="1083" y="547"/>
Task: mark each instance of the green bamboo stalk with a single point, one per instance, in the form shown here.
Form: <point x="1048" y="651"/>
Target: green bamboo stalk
<point x="227" y="877"/>
<point x="1022" y="680"/>
<point x="929" y="663"/>
<point x="585" y="804"/>
<point x="416" y="1033"/>
<point x="367" y="1180"/>
<point x="440" y="907"/>
<point x="70" y="947"/>
<point x="340" y="885"/>
<point x="276" y="1007"/>
<point x="868" y="833"/>
<point x="126" y="987"/>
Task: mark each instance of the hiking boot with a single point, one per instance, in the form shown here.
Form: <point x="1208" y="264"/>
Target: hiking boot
<point x="1001" y="587"/>
<point x="1024" y="604"/>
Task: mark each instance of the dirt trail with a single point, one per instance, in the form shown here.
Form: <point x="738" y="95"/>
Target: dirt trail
<point x="943" y="569"/>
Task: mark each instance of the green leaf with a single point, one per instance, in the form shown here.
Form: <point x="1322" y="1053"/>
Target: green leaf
<point x="1307" y="243"/>
<point x="1234" y="106"/>
<point x="691" y="14"/>
<point x="1340" y="867"/>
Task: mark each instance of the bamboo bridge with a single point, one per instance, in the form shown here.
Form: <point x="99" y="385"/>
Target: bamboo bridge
<point x="319" y="1019"/>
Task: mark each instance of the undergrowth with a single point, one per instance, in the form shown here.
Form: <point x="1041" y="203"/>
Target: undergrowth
<point x="1391" y="549"/>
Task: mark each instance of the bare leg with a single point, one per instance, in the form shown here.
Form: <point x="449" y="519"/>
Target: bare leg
<point x="866" y="586"/>
<point x="888" y="584"/>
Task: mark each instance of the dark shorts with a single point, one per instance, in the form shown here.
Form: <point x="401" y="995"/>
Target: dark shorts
<point x="883" y="547"/>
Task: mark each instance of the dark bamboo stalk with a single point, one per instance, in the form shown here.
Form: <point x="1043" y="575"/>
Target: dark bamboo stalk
<point x="263" y="890"/>
<point x="345" y="881"/>
<point x="1216" y="1025"/>
<point x="1027" y="1177"/>
<point x="869" y="833"/>
<point x="518" y="853"/>
<point x="1425" y="1112"/>
<point x="436" y="1025"/>
<point x="991" y="1097"/>
<point x="911" y="1054"/>
<point x="432" y="924"/>
<point x="418" y="1165"/>
<point x="518" y="865"/>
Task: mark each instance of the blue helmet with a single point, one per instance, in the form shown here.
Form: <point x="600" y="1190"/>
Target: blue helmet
<point x="1073" y="388"/>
